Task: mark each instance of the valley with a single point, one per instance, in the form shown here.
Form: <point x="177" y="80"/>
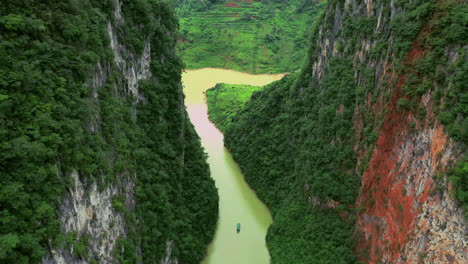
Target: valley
<point x="238" y="202"/>
<point x="233" y="131"/>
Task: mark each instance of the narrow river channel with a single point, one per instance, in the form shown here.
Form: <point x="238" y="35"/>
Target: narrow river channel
<point x="238" y="203"/>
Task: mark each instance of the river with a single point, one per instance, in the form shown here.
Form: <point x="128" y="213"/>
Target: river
<point x="238" y="203"/>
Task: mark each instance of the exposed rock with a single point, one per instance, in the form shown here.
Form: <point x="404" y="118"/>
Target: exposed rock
<point x="440" y="233"/>
<point x="405" y="220"/>
<point x="132" y="67"/>
<point x="100" y="76"/>
<point x="86" y="210"/>
<point x="168" y="259"/>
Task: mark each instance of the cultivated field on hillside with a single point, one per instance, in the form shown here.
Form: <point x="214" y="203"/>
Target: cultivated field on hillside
<point x="244" y="35"/>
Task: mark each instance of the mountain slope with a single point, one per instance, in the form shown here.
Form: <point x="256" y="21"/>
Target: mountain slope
<point x="225" y="100"/>
<point x="251" y="36"/>
<point x="356" y="154"/>
<point x="99" y="162"/>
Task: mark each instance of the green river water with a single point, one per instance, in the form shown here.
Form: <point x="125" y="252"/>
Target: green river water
<point x="238" y="203"/>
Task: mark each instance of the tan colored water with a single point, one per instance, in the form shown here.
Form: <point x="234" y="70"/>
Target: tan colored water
<point x="238" y="203"/>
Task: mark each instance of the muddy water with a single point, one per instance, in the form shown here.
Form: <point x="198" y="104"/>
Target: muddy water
<point x="238" y="203"/>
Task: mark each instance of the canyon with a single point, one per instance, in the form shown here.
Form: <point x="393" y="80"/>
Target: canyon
<point x="361" y="125"/>
<point x="357" y="155"/>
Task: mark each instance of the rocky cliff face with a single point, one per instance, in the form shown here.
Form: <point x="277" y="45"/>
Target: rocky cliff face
<point x="405" y="219"/>
<point x="89" y="211"/>
<point x="108" y="166"/>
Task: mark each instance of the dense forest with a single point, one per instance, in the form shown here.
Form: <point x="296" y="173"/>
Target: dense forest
<point x="305" y="143"/>
<point x="285" y="155"/>
<point x="68" y="107"/>
<point x="360" y="154"/>
<point x="251" y="36"/>
<point x="226" y="100"/>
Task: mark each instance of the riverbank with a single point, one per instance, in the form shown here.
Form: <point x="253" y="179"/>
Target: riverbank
<point x="238" y="203"/>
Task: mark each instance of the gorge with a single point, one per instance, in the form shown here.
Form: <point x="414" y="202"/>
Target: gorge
<point x="356" y="155"/>
<point x="361" y="156"/>
<point x="238" y="203"/>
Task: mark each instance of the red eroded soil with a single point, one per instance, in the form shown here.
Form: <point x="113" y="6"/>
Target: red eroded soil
<point x="244" y="3"/>
<point x="181" y="39"/>
<point x="391" y="210"/>
<point x="382" y="192"/>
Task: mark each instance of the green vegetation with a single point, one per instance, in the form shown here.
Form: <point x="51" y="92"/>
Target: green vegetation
<point x="282" y="143"/>
<point x="258" y="37"/>
<point x="301" y="234"/>
<point x="447" y="82"/>
<point x="459" y="178"/>
<point x="295" y="139"/>
<point x="186" y="7"/>
<point x="442" y="74"/>
<point x="48" y="55"/>
<point x="226" y="100"/>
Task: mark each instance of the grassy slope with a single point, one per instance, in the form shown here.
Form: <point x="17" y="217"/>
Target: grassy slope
<point x="226" y="100"/>
<point x="253" y="37"/>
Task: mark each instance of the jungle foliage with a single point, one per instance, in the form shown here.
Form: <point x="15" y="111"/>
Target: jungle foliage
<point x="51" y="126"/>
<point x="295" y="139"/>
<point x="282" y="143"/>
<point x="226" y="100"/>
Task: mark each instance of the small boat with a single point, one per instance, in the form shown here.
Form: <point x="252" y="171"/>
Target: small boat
<point x="238" y="228"/>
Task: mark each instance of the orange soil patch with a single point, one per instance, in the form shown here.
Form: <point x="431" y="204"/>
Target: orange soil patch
<point x="181" y="39"/>
<point x="390" y="212"/>
<point x="438" y="145"/>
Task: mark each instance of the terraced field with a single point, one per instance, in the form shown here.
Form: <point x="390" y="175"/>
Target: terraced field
<point x="248" y="36"/>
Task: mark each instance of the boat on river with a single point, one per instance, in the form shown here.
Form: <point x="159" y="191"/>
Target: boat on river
<point x="238" y="228"/>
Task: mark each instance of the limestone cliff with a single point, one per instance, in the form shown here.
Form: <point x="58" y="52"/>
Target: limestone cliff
<point x="370" y="129"/>
<point x="405" y="220"/>
<point x="89" y="211"/>
<point x="115" y="172"/>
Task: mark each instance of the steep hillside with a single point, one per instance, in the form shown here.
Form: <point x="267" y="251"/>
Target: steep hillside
<point x="362" y="157"/>
<point x="226" y="100"/>
<point x="98" y="160"/>
<point x="267" y="36"/>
